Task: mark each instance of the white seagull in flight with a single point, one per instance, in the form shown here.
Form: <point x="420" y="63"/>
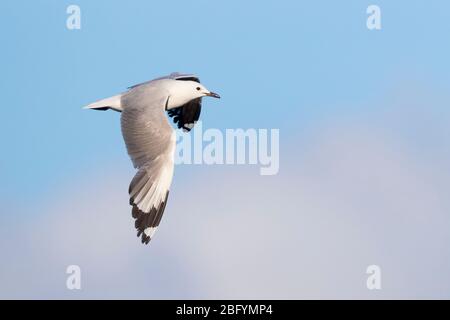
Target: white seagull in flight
<point x="150" y="139"/>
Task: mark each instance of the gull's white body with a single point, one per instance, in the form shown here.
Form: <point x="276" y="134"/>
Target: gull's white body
<point x="179" y="93"/>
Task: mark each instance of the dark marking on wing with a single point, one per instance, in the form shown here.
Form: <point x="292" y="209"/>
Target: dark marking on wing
<point x="144" y="220"/>
<point x="188" y="78"/>
<point x="186" y="116"/>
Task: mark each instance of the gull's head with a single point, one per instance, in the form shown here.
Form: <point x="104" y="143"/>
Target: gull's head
<point x="182" y="91"/>
<point x="201" y="91"/>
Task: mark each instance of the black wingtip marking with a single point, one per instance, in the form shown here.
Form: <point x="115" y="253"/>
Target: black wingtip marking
<point x="102" y="108"/>
<point x="144" y="220"/>
<point x="186" y="116"/>
<point x="188" y="78"/>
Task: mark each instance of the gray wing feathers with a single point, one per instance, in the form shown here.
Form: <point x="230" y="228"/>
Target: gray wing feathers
<point x="145" y="128"/>
<point x="151" y="183"/>
<point x="150" y="142"/>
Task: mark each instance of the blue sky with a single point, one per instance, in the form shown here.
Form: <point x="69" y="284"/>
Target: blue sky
<point x="299" y="66"/>
<point x="277" y="64"/>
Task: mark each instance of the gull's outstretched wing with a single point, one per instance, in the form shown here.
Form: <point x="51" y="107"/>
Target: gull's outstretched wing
<point x="150" y="142"/>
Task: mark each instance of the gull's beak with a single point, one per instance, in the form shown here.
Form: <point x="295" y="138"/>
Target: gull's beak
<point x="213" y="94"/>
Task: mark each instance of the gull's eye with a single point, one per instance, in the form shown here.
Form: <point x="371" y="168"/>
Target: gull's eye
<point x="198" y="88"/>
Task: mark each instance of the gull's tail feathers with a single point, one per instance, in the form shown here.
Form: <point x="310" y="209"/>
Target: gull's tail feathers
<point x="113" y="103"/>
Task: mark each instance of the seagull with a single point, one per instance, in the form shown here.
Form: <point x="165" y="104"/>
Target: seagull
<point x="151" y="140"/>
